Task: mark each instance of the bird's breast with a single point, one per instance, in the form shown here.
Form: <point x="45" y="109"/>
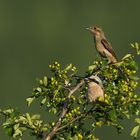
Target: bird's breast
<point x="94" y="91"/>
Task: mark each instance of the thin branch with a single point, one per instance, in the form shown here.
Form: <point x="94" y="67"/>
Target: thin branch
<point x="75" y="119"/>
<point x="64" y="111"/>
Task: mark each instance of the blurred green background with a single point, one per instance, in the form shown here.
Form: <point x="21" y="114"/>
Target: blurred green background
<point x="34" y="34"/>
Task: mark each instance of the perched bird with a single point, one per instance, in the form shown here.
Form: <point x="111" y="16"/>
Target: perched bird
<point x="95" y="88"/>
<point x="102" y="45"/>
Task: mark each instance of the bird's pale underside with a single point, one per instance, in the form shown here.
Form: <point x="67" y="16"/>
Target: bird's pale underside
<point x="95" y="88"/>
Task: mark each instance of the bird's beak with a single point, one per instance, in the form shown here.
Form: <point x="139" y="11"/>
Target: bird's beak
<point x="89" y="28"/>
<point x="86" y="79"/>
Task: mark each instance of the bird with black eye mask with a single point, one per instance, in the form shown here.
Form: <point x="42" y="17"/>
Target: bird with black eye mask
<point x="95" y="88"/>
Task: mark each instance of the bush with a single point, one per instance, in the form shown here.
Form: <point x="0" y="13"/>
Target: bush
<point x="64" y="95"/>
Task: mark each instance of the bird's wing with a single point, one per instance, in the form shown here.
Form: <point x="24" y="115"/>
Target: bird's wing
<point x="108" y="46"/>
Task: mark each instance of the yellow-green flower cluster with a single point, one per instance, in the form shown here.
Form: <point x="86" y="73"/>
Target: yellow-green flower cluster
<point x="54" y="66"/>
<point x="72" y="114"/>
<point x="129" y="72"/>
<point x="80" y="137"/>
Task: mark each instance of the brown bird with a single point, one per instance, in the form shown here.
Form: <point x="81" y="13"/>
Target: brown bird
<point x="102" y="45"/>
<point x="95" y="88"/>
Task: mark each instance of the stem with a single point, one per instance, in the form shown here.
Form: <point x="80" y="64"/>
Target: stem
<point x="64" y="111"/>
<point x="75" y="119"/>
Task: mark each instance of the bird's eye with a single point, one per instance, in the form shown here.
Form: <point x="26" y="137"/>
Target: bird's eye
<point x="95" y="28"/>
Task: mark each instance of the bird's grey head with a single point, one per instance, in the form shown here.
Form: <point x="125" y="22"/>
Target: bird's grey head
<point x="95" y="79"/>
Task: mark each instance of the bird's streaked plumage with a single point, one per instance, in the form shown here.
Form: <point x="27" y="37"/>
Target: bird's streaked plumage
<point x="102" y="45"/>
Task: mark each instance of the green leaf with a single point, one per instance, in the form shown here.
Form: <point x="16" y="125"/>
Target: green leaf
<point x="75" y="137"/>
<point x="44" y="129"/>
<point x="126" y="56"/>
<point x="138" y="99"/>
<point x="43" y="101"/>
<point x="132" y="45"/>
<point x="9" y="131"/>
<point x="21" y="118"/>
<point x="126" y="113"/>
<point x="92" y="67"/>
<point x="30" y="100"/>
<point x="39" y="89"/>
<point x="134" y="132"/>
<point x="35" y="117"/>
<point x="17" y="133"/>
<point x="135" y="78"/>
<point x="53" y="110"/>
<point x="8" y="111"/>
<point x="113" y="115"/>
<point x="45" y="80"/>
<point x="137" y="47"/>
<point x="23" y="129"/>
<point x="137" y="120"/>
<point x="16" y="126"/>
<point x="68" y="67"/>
<point x="28" y="117"/>
<point x="133" y="65"/>
<point x="60" y="138"/>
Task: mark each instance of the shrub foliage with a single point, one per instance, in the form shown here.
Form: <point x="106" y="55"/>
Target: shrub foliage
<point x="64" y="95"/>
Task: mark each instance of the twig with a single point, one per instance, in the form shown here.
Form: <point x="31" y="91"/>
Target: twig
<point x="64" y="111"/>
<point x="75" y="119"/>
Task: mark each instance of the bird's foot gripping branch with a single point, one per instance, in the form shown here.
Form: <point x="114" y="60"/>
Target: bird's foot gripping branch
<point x="65" y="96"/>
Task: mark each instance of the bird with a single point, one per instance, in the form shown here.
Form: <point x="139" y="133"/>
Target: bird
<point x="102" y="45"/>
<point x="95" y="88"/>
